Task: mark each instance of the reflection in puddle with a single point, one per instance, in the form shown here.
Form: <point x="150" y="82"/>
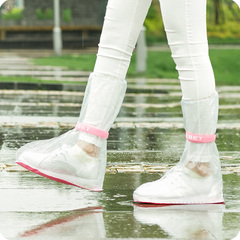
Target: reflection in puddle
<point x="25" y="192"/>
<point x="184" y="221"/>
<point x="84" y="224"/>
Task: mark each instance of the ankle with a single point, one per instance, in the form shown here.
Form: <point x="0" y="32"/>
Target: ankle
<point x="200" y="168"/>
<point x="91" y="149"/>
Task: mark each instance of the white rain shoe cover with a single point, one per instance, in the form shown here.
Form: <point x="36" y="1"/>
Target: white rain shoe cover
<point x="61" y="159"/>
<point x="197" y="178"/>
<point x="102" y="102"/>
<point x="184" y="221"/>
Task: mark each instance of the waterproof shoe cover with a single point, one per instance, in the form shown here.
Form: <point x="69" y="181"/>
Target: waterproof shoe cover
<point x="197" y="178"/>
<point x="183" y="221"/>
<point x="62" y="160"/>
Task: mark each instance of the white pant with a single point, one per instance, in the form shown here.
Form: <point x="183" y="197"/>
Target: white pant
<point x="185" y="25"/>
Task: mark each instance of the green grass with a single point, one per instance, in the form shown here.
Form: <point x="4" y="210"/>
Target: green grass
<point x="84" y="62"/>
<point x="160" y="64"/>
<point x="19" y="79"/>
<point x="226" y="64"/>
<point x="223" y="41"/>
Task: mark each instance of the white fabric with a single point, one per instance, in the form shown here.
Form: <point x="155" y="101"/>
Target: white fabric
<point x="123" y="22"/>
<point x="185" y="24"/>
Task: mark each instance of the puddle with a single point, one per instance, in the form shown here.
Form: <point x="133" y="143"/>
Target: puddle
<point x="147" y="139"/>
<point x="48" y="210"/>
<point x="128" y="145"/>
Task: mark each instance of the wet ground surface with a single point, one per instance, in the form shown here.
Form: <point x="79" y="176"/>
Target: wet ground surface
<point x="146" y="140"/>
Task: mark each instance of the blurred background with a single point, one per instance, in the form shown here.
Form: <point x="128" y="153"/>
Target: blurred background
<point x="28" y="24"/>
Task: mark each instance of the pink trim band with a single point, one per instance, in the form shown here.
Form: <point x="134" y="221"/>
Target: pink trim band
<point x="92" y="130"/>
<point x="200" y="138"/>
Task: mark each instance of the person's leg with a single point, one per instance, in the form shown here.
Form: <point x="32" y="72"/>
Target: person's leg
<point x="79" y="156"/>
<point x="185" y="25"/>
<point x="106" y="87"/>
<point x="197" y="177"/>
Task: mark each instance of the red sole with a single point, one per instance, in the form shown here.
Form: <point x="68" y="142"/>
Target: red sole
<point x="53" y="178"/>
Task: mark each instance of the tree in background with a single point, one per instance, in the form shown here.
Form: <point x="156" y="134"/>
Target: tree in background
<point x="218" y="13"/>
<point x="223" y="19"/>
<point x="154" y="24"/>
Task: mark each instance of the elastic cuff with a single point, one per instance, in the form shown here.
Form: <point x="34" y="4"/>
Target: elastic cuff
<point x="200" y="138"/>
<point x="92" y="130"/>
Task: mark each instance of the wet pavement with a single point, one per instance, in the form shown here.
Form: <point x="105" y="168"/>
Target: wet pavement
<point x="146" y="140"/>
